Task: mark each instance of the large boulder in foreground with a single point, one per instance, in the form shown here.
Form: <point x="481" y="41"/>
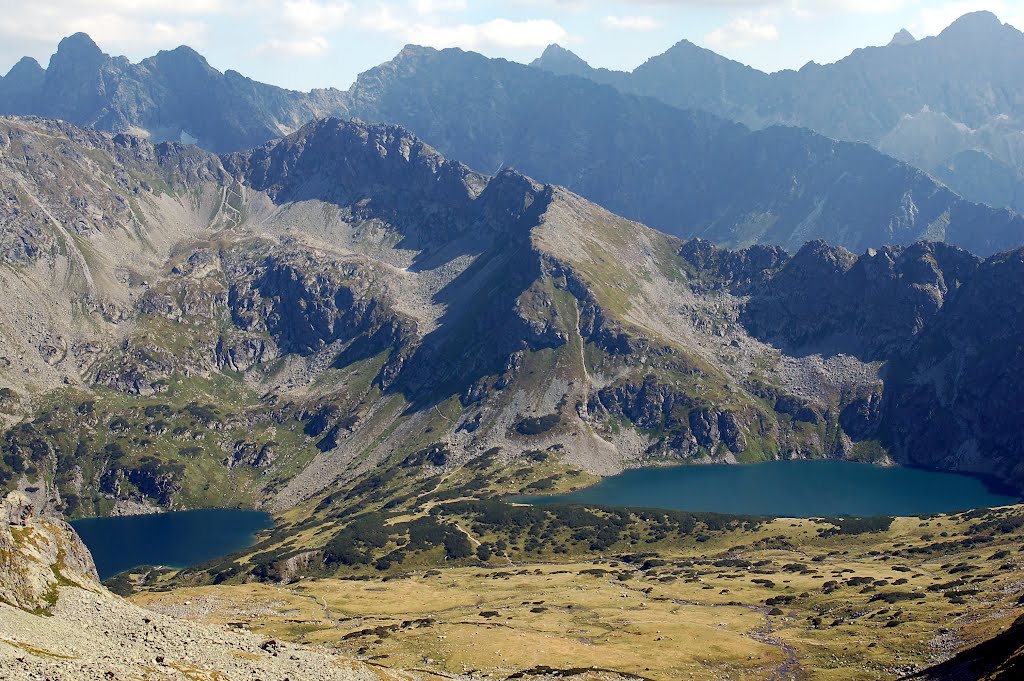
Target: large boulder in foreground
<point x="38" y="555"/>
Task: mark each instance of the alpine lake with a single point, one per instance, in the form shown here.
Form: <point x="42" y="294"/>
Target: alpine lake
<point x="177" y="539"/>
<point x="794" y="489"/>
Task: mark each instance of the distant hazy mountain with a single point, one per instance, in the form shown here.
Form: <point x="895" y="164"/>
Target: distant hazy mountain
<point x="685" y="172"/>
<point x="174" y="95"/>
<point x="688" y="173"/>
<point x="924" y="101"/>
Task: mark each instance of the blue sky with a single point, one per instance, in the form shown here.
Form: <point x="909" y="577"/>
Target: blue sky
<point x="317" y="43"/>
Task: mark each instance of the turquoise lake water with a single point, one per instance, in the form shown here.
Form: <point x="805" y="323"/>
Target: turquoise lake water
<point x="796" y="489"/>
<point x="178" y="540"/>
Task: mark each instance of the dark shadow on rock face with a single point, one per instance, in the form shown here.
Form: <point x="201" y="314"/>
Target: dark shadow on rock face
<point x="375" y="172"/>
<point x="827" y="300"/>
<point x="441" y="209"/>
<point x="954" y="394"/>
<point x="481" y="327"/>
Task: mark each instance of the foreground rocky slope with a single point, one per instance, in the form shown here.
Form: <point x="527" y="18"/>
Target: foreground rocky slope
<point x="961" y="120"/>
<point x="37" y="556"/>
<point x="56" y="621"/>
<point x="998" y="658"/>
<point x="262" y="327"/>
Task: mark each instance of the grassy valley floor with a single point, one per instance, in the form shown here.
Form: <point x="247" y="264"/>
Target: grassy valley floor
<point x="786" y="599"/>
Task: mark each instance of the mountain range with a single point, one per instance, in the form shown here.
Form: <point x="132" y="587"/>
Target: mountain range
<point x="688" y="173"/>
<point x="333" y="303"/>
<point x="948" y="104"/>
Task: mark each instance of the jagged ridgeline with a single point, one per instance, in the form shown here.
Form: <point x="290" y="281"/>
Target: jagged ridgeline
<point x="685" y="172"/>
<point x="345" y="310"/>
<point x="960" y="121"/>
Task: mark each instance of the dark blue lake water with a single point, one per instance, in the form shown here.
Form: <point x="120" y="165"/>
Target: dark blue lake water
<point x="177" y="540"/>
<point x="798" y="489"/>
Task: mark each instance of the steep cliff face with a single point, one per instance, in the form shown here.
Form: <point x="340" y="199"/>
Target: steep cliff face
<point x="829" y="300"/>
<point x="952" y="393"/>
<point x="945" y="323"/>
<point x="38" y="555"/>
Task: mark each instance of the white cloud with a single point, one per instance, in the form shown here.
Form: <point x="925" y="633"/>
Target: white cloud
<point x="299" y="28"/>
<point x="309" y="16"/>
<point x="743" y="31"/>
<point x="632" y="23"/>
<point x="138" y="7"/>
<point x="435" y="6"/>
<point x="111" y="31"/>
<point x="496" y="33"/>
<point x="313" y="46"/>
<point x="129" y="25"/>
<point x="826" y="7"/>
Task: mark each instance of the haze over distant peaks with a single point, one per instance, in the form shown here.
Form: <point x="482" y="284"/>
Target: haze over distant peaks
<point x="173" y="95"/>
<point x="967" y="74"/>
<point x="687" y="173"/>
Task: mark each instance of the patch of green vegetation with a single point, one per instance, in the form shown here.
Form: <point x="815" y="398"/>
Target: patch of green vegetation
<point x="179" y="446"/>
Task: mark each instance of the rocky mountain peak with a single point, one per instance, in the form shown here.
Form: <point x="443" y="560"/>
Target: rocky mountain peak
<point x="973" y="24"/>
<point x="350" y="157"/>
<point x="27" y="69"/>
<point x="684" y="51"/>
<point x="557" y="59"/>
<point x="413" y="52"/>
<point x="78" y="48"/>
<point x="903" y="37"/>
<point x="819" y="254"/>
<point x="183" y="55"/>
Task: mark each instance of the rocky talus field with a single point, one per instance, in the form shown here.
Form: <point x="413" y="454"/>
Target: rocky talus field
<point x="58" y="622"/>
